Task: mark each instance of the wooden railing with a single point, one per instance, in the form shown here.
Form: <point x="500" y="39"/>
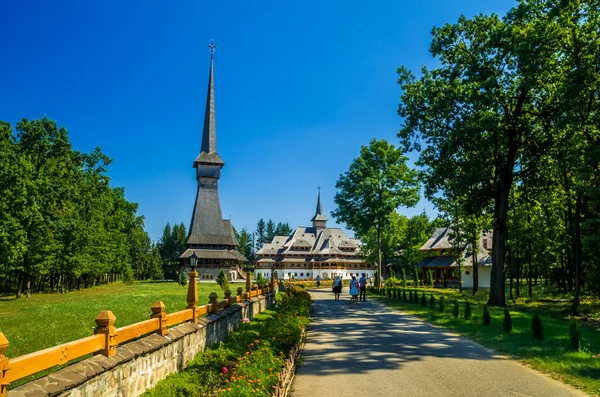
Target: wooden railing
<point x="106" y="337"/>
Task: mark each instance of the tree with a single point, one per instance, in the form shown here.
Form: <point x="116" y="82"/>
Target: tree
<point x="375" y="185"/>
<point x="270" y="231"/>
<point x="471" y="119"/>
<point x="283" y="229"/>
<point x="245" y="247"/>
<point x="261" y="234"/>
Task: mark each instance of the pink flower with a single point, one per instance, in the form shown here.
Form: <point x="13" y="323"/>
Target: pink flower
<point x="225" y="370"/>
<point x="246" y="320"/>
<point x="598" y="355"/>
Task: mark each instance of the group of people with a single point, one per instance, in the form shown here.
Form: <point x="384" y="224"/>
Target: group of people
<point x="358" y="288"/>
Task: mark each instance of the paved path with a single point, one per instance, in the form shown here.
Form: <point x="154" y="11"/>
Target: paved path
<point x="370" y="350"/>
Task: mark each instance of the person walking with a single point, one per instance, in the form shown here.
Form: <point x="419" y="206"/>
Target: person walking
<point x="353" y="290"/>
<point x="337" y="287"/>
<point x="318" y="280"/>
<point x="362" y="284"/>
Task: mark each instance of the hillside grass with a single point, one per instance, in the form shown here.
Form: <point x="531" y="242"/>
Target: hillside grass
<point x="46" y="320"/>
<point x="553" y="355"/>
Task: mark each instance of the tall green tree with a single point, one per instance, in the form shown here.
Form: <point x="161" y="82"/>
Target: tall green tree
<point x="261" y="233"/>
<point x="375" y="185"/>
<point x="471" y="119"/>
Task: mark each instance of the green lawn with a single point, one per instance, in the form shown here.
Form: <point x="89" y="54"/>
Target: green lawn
<point x="553" y="355"/>
<point x="47" y="320"/>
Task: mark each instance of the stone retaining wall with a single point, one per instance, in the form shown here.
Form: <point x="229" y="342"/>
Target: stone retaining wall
<point x="138" y="366"/>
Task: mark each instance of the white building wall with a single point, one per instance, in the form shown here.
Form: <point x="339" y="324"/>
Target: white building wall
<point x="484" y="277"/>
<point x="309" y="274"/>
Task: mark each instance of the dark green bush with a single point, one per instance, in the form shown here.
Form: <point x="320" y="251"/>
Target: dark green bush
<point x="442" y="304"/>
<point x="432" y="301"/>
<point x="416" y="297"/>
<point x="456" y="309"/>
<point x="487" y="320"/>
<point x="507" y="323"/>
<point x="395" y="293"/>
<point x="468" y="311"/>
<point x="575" y="335"/>
<point x="536" y="327"/>
<point x="423" y="300"/>
<point x="410" y="297"/>
<point x="404" y="298"/>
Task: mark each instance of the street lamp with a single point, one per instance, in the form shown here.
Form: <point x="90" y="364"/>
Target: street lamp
<point x="193" y="260"/>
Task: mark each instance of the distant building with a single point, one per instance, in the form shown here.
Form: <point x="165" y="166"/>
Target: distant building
<point x="210" y="236"/>
<point x="441" y="259"/>
<point x="312" y="251"/>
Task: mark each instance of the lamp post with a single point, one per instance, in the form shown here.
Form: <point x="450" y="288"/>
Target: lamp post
<point x="192" y="296"/>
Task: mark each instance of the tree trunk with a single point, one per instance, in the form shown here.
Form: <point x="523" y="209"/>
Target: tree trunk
<point x="530" y="269"/>
<point x="475" y="268"/>
<point x="497" y="282"/>
<point x="511" y="271"/>
<point x="578" y="204"/>
<point x="20" y="287"/>
<point x="379" y="255"/>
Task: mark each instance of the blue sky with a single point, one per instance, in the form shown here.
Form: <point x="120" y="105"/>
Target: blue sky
<point x="299" y="87"/>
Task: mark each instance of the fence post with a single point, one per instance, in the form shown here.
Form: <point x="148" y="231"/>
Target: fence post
<point x="192" y="296"/>
<point x="158" y="311"/>
<point x="105" y="322"/>
<point x="248" y="285"/>
<point x="240" y="292"/>
<point x="228" y="297"/>
<point x="212" y="301"/>
<point x="3" y="364"/>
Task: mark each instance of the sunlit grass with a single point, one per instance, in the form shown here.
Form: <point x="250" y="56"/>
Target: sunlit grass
<point x="47" y="320"/>
<point x="553" y="355"/>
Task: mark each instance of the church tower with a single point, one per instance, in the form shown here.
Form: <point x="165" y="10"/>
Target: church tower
<point x="319" y="221"/>
<point x="210" y="236"/>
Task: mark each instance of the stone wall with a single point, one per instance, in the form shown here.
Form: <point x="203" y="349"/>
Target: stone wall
<point x="138" y="366"/>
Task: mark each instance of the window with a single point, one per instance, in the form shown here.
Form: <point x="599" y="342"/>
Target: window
<point x="467" y="272"/>
<point x="301" y="274"/>
<point x="295" y="274"/>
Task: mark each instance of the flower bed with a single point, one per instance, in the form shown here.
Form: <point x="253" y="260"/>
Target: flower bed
<point x="249" y="362"/>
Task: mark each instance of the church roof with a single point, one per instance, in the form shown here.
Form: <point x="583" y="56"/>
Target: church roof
<point x="319" y="212"/>
<point x="208" y="148"/>
<point x="226" y="254"/>
<point x="207" y="227"/>
<point x="322" y="242"/>
<point x="439" y="240"/>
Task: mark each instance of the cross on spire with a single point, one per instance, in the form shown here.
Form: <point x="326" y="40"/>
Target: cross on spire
<point x="212" y="47"/>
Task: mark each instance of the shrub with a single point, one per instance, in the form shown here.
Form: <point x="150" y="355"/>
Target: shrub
<point x="395" y="294"/>
<point x="536" y="327"/>
<point x="507" y="323"/>
<point x="430" y="277"/>
<point x="410" y="298"/>
<point x="404" y="278"/>
<point x="456" y="309"/>
<point x="389" y="292"/>
<point x="416" y="297"/>
<point x="404" y="298"/>
<point x="575" y="335"/>
<point x="128" y="277"/>
<point x="468" y="311"/>
<point x="486" y="315"/>
<point x="423" y="300"/>
<point x="432" y="301"/>
<point x="222" y="280"/>
<point x="183" y="279"/>
<point x="442" y="304"/>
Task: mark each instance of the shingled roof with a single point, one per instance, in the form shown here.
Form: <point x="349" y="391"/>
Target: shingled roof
<point x="207" y="227"/>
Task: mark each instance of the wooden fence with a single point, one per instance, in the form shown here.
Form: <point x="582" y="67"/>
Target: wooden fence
<point x="106" y="337"/>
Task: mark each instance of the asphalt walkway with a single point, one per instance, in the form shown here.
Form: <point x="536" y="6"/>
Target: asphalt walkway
<point x="370" y="350"/>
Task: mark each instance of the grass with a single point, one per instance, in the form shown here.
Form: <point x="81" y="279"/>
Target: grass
<point x="553" y="355"/>
<point x="46" y="320"/>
